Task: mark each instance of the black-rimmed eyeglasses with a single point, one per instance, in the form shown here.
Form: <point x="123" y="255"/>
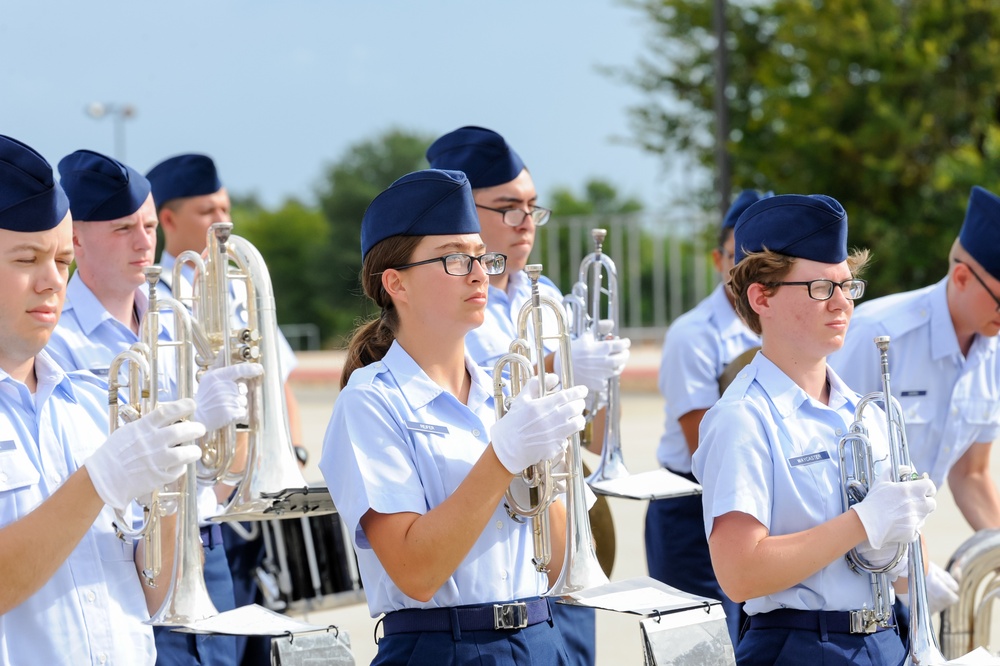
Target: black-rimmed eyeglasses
<point x="460" y="264"/>
<point x="514" y="217"/>
<point x="822" y="290"/>
<point x="980" y="280"/>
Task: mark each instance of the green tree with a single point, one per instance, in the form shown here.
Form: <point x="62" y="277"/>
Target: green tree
<point x="291" y="240"/>
<point x="348" y="186"/>
<point x="891" y="107"/>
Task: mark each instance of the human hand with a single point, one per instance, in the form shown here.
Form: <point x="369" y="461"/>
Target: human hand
<point x="220" y="401"/>
<point x="596" y="361"/>
<point x="146" y="454"/>
<point x="894" y="512"/>
<point x="535" y="428"/>
<point x="880" y="557"/>
<point x="942" y="589"/>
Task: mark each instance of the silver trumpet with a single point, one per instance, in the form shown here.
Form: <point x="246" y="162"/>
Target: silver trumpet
<point x="580" y="569"/>
<point x="601" y="320"/>
<point x="187" y="599"/>
<point x="923" y="646"/>
<point x="271" y="485"/>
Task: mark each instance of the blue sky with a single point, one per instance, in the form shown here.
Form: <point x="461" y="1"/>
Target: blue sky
<point x="275" y="90"/>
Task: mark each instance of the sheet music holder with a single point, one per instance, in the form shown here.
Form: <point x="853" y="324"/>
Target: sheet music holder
<point x="651" y="485"/>
<point x="297" y="501"/>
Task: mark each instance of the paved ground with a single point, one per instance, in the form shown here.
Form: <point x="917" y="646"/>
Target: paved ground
<point x="315" y="383"/>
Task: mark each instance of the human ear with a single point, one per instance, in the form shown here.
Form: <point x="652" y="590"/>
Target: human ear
<point x="760" y="301"/>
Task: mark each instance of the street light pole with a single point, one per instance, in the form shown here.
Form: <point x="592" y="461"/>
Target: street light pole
<point x="119" y="114"/>
<point x="723" y="177"/>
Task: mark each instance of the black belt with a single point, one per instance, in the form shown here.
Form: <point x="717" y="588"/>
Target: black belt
<point x="687" y="475"/>
<point x="833" y="622"/>
<point x="487" y="617"/>
<point x="211" y="535"/>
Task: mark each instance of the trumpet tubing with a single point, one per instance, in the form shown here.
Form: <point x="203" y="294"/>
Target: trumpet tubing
<point x="923" y="648"/>
<point x="969" y="622"/>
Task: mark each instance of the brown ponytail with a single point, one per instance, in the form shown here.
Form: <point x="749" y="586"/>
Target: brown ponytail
<point x="371" y="339"/>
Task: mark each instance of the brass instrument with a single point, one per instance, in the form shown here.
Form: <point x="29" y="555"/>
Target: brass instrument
<point x="581" y="569"/>
<point x="923" y="646"/>
<point x="271" y="485"/>
<point x="968" y="623"/>
<point x="187" y="599"/>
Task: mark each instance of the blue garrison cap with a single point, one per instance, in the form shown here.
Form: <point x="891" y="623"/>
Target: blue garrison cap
<point x="482" y="154"/>
<point x="422" y="203"/>
<point x="30" y="197"/>
<point x="810" y="227"/>
<point x="101" y="188"/>
<point x="980" y="234"/>
<point x="181" y="176"/>
<point x="744" y="200"/>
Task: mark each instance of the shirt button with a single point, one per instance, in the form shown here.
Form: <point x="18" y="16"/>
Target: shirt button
<point x="3" y="476"/>
<point x="503" y="575"/>
<point x="103" y="658"/>
<point x="475" y="432"/>
<point x="91" y="596"/>
<point x="499" y="524"/>
<point x="839" y="432"/>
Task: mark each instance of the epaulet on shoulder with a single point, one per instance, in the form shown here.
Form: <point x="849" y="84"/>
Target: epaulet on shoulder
<point x="368" y="373"/>
<point x="896" y="314"/>
<point x="738" y="388"/>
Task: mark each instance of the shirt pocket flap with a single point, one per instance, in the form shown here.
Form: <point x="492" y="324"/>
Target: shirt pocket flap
<point x="16" y="468"/>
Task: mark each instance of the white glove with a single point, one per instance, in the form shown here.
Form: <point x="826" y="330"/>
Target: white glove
<point x="596" y="361"/>
<point x="220" y="401"/>
<point x="894" y="512"/>
<point x="942" y="589"/>
<point x="145" y="454"/>
<point x="535" y="429"/>
<point x="879" y="557"/>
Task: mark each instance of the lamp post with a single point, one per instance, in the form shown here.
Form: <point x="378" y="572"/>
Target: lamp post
<point x="119" y="114"/>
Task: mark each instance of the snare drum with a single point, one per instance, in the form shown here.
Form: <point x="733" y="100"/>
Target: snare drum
<point x="309" y="564"/>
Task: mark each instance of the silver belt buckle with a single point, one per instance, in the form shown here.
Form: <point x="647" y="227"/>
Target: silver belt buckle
<point x="510" y="616"/>
<point x="863" y="622"/>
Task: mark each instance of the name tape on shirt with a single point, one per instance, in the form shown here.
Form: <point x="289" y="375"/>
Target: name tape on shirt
<point x="427" y="427"/>
<point x="100" y="372"/>
<point x="912" y="394"/>
<point x="8" y="445"/>
<point x="809" y="459"/>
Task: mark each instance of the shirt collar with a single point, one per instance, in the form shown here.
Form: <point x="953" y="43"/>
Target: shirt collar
<point x="421" y="389"/>
<point x="49" y="377"/>
<point x="787" y="396"/>
<point x="90" y="312"/>
<point x="944" y="342"/>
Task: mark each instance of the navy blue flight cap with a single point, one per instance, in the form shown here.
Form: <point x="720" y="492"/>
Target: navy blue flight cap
<point x="744" y="200"/>
<point x="422" y="203"/>
<point x="189" y="175"/>
<point x="30" y="197"/>
<point x="482" y="154"/>
<point x="101" y="188"/>
<point x="810" y="227"/>
<point x="980" y="234"/>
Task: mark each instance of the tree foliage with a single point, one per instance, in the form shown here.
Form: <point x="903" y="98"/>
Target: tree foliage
<point x="890" y="106"/>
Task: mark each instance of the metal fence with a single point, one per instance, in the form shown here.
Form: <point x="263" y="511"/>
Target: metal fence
<point x="664" y="264"/>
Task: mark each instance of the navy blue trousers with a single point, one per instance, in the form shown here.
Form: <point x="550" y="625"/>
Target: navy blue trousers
<point x="795" y="647"/>
<point x="677" y="554"/>
<point x="576" y="624"/>
<point x="538" y="645"/>
<point x="180" y="649"/>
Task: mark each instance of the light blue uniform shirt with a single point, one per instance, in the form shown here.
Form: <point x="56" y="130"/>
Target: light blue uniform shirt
<point x="238" y="298"/>
<point x="949" y="401"/>
<point x="397" y="442"/>
<point x="91" y="610"/>
<point x="768" y="450"/>
<point x="697" y="348"/>
<point x="487" y="343"/>
<point x="88" y="337"/>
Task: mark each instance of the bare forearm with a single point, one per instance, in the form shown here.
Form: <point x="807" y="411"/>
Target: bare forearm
<point x="34" y="547"/>
<point x="435" y="543"/>
<point x="773" y="563"/>
<point x="977" y="498"/>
